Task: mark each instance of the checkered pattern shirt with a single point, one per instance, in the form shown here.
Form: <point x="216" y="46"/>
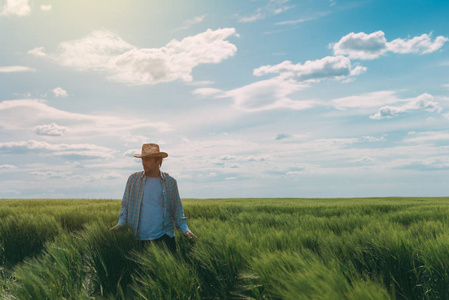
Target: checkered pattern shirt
<point x="132" y="201"/>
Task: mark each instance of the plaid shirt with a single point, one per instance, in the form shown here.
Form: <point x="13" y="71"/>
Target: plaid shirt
<point x="132" y="200"/>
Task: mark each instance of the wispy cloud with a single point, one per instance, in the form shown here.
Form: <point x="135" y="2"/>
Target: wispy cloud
<point x="67" y="151"/>
<point x="15" y="8"/>
<point x="27" y="114"/>
<point x="366" y="100"/>
<point x="7" y="167"/>
<point x="277" y="92"/>
<point x="315" y="16"/>
<point x="423" y="102"/>
<point x="207" y="91"/>
<point x="371" y="46"/>
<point x="106" y="52"/>
<point x="272" y="8"/>
<point x="428" y="136"/>
<point x="190" y="22"/>
<point x="47" y="7"/>
<point x="14" y="69"/>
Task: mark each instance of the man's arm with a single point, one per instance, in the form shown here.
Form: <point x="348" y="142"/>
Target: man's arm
<point x="180" y="218"/>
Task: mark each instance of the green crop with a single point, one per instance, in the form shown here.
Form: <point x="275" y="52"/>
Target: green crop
<point x="372" y="248"/>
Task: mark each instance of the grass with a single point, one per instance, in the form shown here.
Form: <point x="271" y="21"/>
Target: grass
<point x="371" y="248"/>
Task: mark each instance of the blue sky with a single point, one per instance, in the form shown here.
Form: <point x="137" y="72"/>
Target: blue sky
<point x="279" y="98"/>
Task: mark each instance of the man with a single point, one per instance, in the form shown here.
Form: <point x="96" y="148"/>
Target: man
<point x="151" y="206"/>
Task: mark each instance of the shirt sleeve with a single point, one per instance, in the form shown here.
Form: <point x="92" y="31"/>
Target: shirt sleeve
<point x="123" y="211"/>
<point x="180" y="218"/>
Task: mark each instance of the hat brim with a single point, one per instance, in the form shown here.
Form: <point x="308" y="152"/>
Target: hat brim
<point x="160" y="154"/>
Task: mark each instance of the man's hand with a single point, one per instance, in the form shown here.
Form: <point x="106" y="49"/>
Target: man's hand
<point x="190" y="235"/>
<point x="117" y="227"/>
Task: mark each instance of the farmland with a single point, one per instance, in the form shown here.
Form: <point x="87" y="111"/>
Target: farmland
<point x="371" y="248"/>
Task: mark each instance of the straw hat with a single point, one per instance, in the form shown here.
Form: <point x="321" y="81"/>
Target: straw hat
<point x="151" y="150"/>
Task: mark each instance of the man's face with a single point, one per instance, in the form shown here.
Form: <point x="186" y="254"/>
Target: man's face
<point x="151" y="163"/>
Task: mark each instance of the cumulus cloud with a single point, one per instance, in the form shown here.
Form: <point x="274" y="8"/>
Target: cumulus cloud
<point x="60" y="92"/>
<point x="371" y="46"/>
<point x="290" y="78"/>
<point x="106" y="52"/>
<point x="50" y="130"/>
<point x="419" y="44"/>
<point x="15" y="8"/>
<point x="14" y="69"/>
<point x="330" y="67"/>
<point x="67" y="151"/>
<point x="423" y="102"/>
<point x="361" y="45"/>
<point x="272" y="8"/>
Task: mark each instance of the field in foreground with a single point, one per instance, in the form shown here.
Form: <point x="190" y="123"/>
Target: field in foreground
<point x="376" y="248"/>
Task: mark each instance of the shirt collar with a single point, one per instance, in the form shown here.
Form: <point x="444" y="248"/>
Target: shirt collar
<point x="163" y="176"/>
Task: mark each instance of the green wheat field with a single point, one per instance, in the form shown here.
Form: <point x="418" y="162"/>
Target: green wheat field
<point x="373" y="248"/>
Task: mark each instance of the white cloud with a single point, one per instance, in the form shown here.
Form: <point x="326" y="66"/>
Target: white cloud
<point x="7" y="167"/>
<point x="418" y="44"/>
<point x="372" y="139"/>
<point x="109" y="176"/>
<point x="268" y="94"/>
<point x="272" y="8"/>
<point x="188" y="23"/>
<point x="428" y="136"/>
<point x="67" y="151"/>
<point x="50" y="130"/>
<point x="291" y="78"/>
<point x="423" y="102"/>
<point x="200" y="83"/>
<point x="206" y="91"/>
<point x="15" y="8"/>
<point x="367" y="100"/>
<point x="371" y="46"/>
<point x="49" y="174"/>
<point x="361" y="45"/>
<point x="305" y="19"/>
<point x="106" y="52"/>
<point x="60" y="92"/>
<point x="46" y="7"/>
<point x="195" y="20"/>
<point x="131" y="152"/>
<point x="26" y="114"/>
<point x="38" y="51"/>
<point x="330" y="67"/>
<point x="364" y="159"/>
<point x="13" y="69"/>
